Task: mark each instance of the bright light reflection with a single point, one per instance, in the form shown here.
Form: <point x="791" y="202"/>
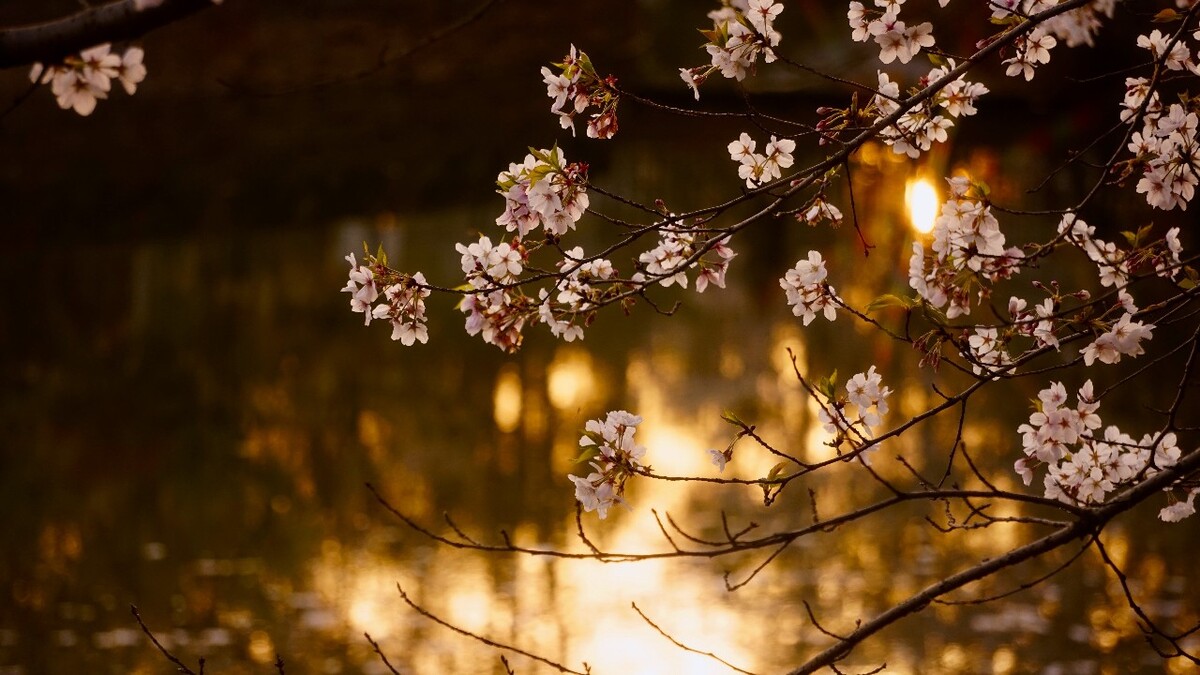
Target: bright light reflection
<point x="675" y="450"/>
<point x="921" y="199"/>
<point x="506" y="400"/>
<point x="571" y="379"/>
<point x="672" y="600"/>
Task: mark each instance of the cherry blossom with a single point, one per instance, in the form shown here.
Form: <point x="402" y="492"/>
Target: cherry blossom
<point x="739" y="36"/>
<point x="925" y="124"/>
<point x="405" y="309"/>
<point x="669" y="261"/>
<point x="757" y="169"/>
<point x="1123" y="338"/>
<point x="543" y="190"/>
<point x="1083" y="467"/>
<point x="719" y="458"/>
<point x="1168" y="151"/>
<point x="807" y="291"/>
<point x="486" y="265"/>
<point x="616" y="458"/>
<point x="81" y="81"/>
<point x="361" y="287"/>
<point x="1032" y="50"/>
<point x="968" y="249"/>
<point x="575" y="88"/>
<point x="987" y="351"/>
<point x="498" y="316"/>
<point x="820" y="211"/>
<point x="1180" y="509"/>
<point x="854" y="417"/>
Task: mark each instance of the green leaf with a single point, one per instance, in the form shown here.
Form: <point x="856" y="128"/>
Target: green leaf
<point x="889" y="300"/>
<point x="935" y="315"/>
<point x="826" y="386"/>
<point x="585" y="64"/>
<point x="936" y="59"/>
<point x="733" y="419"/>
<point x="587" y="454"/>
<point x="381" y="255"/>
<point x="1130" y="237"/>
<point x="539" y="172"/>
<point x="776" y="470"/>
<point x="1143" y="233"/>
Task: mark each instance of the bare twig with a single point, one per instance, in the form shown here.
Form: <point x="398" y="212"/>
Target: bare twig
<point x="684" y="647"/>
<point x="168" y="655"/>
<point x="489" y="642"/>
<point x="382" y="656"/>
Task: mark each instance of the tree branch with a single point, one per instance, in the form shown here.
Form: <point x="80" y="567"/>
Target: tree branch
<point x="50" y="41"/>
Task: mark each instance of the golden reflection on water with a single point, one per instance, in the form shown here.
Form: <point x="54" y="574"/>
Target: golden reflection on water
<point x="575" y="611"/>
<point x="571" y="379"/>
<point x="507" y="399"/>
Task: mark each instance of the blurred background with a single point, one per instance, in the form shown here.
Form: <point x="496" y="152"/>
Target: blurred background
<point x="190" y="412"/>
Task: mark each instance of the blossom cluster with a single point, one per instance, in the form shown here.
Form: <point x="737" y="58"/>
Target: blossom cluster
<point x="918" y="128"/>
<point x="1040" y="325"/>
<point x="987" y="351"/>
<point x="1167" y="150"/>
<point x="1031" y="50"/>
<point x="79" y="82"/>
<point x="968" y="247"/>
<point x="575" y="88"/>
<point x="543" y="190"/>
<point x="486" y="265"/>
<point x="580" y="289"/>
<point x="896" y="40"/>
<point x="1117" y="331"/>
<point x="1083" y="466"/>
<point x="866" y="393"/>
<point x="742" y="31"/>
<point x="1124" y="337"/>
<point x="1115" y="265"/>
<point x="757" y="169"/>
<point x="807" y="291"/>
<point x="1112" y="264"/>
<point x="669" y="261"/>
<point x="499" y="314"/>
<point x="403" y="296"/>
<point x="820" y="210"/>
<point x="614" y="458"/>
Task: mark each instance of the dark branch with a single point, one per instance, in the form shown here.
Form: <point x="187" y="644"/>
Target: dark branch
<point x="50" y="41"/>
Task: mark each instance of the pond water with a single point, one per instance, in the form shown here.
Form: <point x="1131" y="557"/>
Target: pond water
<point x="192" y="416"/>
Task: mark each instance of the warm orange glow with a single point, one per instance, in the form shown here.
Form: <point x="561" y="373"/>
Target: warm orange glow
<point x="506" y="400"/>
<point x="921" y="200"/>
<point x="571" y="379"/>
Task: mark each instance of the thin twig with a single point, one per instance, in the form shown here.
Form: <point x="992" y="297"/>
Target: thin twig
<point x="684" y="647"/>
<point x="489" y="642"/>
<point x="169" y="656"/>
<point x="382" y="656"/>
